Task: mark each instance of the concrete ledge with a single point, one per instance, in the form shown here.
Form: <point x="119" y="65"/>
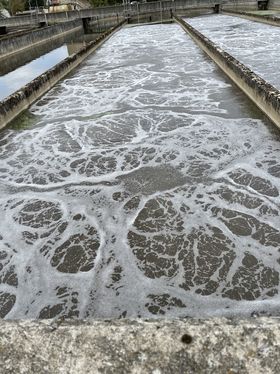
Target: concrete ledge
<point x="15" y="44"/>
<point x="240" y="5"/>
<point x="268" y="19"/>
<point x="12" y="34"/>
<point x="137" y="346"/>
<point x="263" y="94"/>
<point x="14" y="104"/>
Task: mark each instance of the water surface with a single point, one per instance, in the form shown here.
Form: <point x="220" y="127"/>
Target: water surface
<point x="14" y="80"/>
<point x="144" y="184"/>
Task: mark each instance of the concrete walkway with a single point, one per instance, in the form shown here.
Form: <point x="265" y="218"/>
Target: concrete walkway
<point x="138" y="346"/>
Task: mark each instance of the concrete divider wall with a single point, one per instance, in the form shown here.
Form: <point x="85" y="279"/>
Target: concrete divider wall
<point x="14" y="104"/>
<point x="240" y="4"/>
<point x="154" y="6"/>
<point x="100" y="25"/>
<point x="174" y="5"/>
<point x="19" y="21"/>
<point x="52" y="18"/>
<point x="268" y="19"/>
<point x="94" y="13"/>
<point x="153" y="17"/>
<point x="263" y="94"/>
<point x="274" y="4"/>
<point x="13" y="34"/>
<point x="49" y="18"/>
<point x="24" y="56"/>
<point x="14" y="44"/>
<point x="102" y="11"/>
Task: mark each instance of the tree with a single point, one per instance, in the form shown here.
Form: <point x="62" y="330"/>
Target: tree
<point x="4" y="4"/>
<point x="97" y="3"/>
<point x="16" y="6"/>
<point x="34" y="3"/>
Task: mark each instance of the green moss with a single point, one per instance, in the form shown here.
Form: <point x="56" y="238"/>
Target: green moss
<point x="23" y="121"/>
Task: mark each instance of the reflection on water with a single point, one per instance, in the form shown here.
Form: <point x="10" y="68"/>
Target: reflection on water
<point x="253" y="43"/>
<point x="13" y="81"/>
<point x="143" y="187"/>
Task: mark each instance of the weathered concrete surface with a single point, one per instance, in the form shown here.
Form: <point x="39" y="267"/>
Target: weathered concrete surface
<point x="24" y="56"/>
<point x="14" y="44"/>
<point x="240" y="5"/>
<point x="137" y="346"/>
<point x="113" y="11"/>
<point x="267" y="19"/>
<point x="263" y="94"/>
<point x="274" y="4"/>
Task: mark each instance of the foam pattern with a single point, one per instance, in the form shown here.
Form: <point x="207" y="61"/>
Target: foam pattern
<point x="254" y="44"/>
<point x="143" y="184"/>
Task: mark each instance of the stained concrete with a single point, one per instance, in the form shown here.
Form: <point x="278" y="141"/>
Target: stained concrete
<point x="110" y="11"/>
<point x="274" y="4"/>
<point x="138" y="346"/>
<point x="240" y="5"/>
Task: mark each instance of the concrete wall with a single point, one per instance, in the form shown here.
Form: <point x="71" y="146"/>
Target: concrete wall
<point x="240" y="4"/>
<point x="176" y="5"/>
<point x="99" y="25"/>
<point x="274" y="4"/>
<point x="109" y="11"/>
<point x="23" y="56"/>
<point x="14" y="104"/>
<point x="14" y="44"/>
<point x="270" y="20"/>
<point x="180" y="346"/>
<point x="263" y="94"/>
<point x="155" y="17"/>
<point x="13" y="33"/>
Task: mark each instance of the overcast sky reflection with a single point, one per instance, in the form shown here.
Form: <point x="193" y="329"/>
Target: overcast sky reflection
<point x="16" y="79"/>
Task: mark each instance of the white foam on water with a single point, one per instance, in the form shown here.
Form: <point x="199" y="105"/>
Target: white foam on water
<point x="144" y="187"/>
<point x="254" y="44"/>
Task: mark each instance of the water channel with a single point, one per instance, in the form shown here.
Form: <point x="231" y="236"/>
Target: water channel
<point x="253" y="43"/>
<point x="40" y="59"/>
<point x="143" y="185"/>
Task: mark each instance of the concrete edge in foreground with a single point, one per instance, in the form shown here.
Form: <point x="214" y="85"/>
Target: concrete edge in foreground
<point x="262" y="93"/>
<point x="141" y="346"/>
<point x="19" y="101"/>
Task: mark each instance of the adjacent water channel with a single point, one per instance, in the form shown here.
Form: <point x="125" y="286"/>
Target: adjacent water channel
<point x="253" y="43"/>
<point x="13" y="81"/>
<point x="15" y="72"/>
<point x="144" y="184"/>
